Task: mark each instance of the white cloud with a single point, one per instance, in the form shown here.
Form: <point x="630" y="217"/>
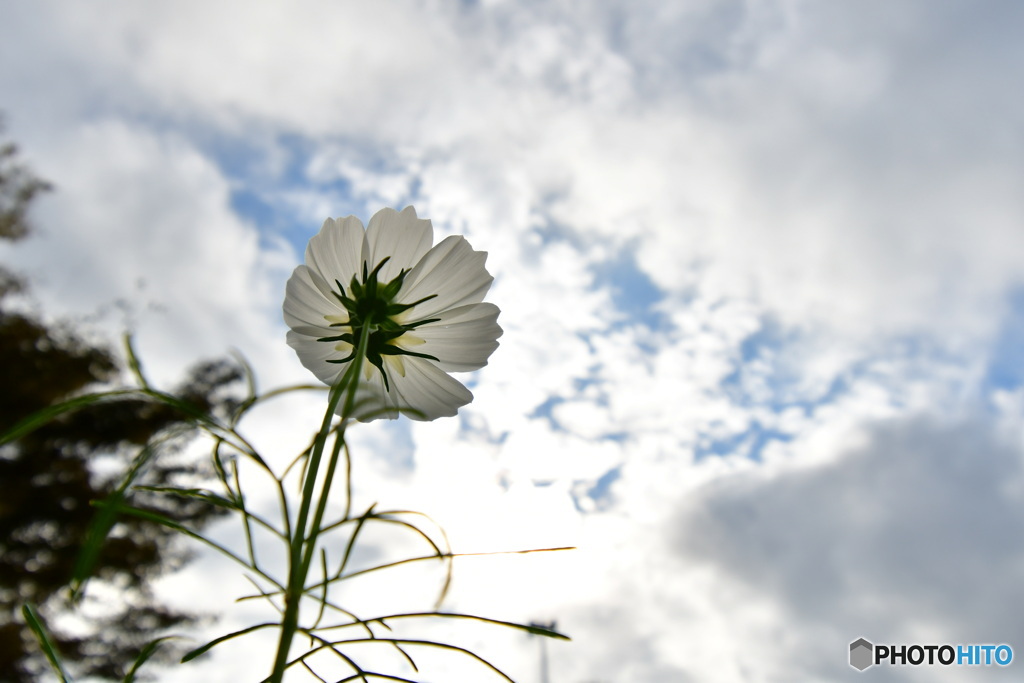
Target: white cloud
<point x="898" y="541"/>
<point x="808" y="161"/>
<point x="140" y="232"/>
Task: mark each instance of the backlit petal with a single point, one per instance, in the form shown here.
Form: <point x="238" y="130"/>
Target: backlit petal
<point x="338" y="250"/>
<point x="463" y="338"/>
<point x="373" y="402"/>
<point x="402" y="236"/>
<point x="430" y="390"/>
<point x="453" y="271"/>
<point x="305" y="303"/>
<point x="314" y="355"/>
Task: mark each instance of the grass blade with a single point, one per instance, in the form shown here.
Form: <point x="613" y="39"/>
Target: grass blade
<point x="217" y="641"/>
<point x="147" y="652"/>
<point x="45" y="642"/>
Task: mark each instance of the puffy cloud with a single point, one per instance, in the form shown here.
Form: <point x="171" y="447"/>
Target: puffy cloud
<point x="802" y="155"/>
<point x="141" y="235"/>
<point x="899" y="540"/>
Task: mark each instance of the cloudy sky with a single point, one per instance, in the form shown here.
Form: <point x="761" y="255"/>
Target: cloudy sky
<point x="760" y="271"/>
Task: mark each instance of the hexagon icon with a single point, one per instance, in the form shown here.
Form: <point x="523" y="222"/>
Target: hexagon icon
<point x="861" y="652"/>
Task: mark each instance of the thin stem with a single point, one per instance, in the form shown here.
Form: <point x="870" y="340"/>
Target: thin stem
<point x="318" y="517"/>
<point x="245" y="516"/>
<point x="285" y="511"/>
<point x="348" y="481"/>
<point x="296" y="580"/>
<point x="408" y="641"/>
<point x="352" y="541"/>
<point x="298" y="561"/>
<point x="171" y="524"/>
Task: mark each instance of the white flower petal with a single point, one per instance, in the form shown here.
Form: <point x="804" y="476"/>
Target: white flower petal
<point x="463" y="338"/>
<point x="423" y="393"/>
<point x="429" y="390"/>
<point x="372" y="401"/>
<point x="305" y="303"/>
<point x="452" y="271"/>
<point x="402" y="236"/>
<point x="314" y="356"/>
<point x="338" y="250"/>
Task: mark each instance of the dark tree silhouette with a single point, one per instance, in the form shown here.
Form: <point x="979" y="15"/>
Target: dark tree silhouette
<point x="49" y="477"/>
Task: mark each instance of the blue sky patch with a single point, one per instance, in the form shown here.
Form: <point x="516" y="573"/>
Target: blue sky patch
<point x="1006" y="362"/>
<point x="632" y="290"/>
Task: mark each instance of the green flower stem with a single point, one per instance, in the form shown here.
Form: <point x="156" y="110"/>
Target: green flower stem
<point x="318" y="518"/>
<point x="301" y="547"/>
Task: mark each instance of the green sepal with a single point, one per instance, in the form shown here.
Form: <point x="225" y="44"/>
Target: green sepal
<point x="372" y="303"/>
<point x="395" y="351"/>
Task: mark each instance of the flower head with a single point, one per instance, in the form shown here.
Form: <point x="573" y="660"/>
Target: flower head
<point x="419" y="308"/>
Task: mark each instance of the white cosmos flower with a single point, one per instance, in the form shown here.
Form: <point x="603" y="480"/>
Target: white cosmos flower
<point x="422" y="304"/>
